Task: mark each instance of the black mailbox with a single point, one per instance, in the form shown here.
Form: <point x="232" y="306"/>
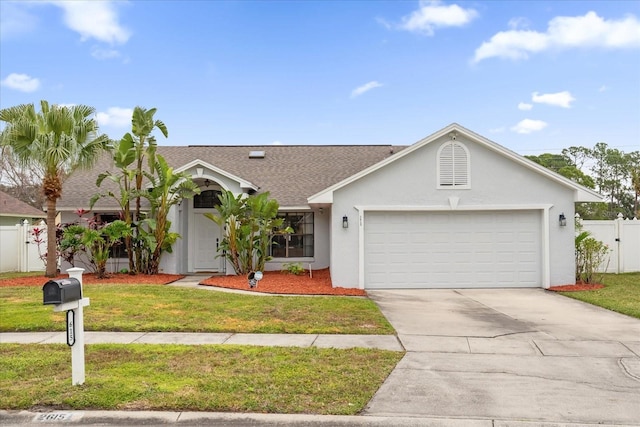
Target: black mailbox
<point x="61" y="291"/>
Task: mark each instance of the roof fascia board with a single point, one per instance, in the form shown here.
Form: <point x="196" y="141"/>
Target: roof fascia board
<point x="197" y="162"/>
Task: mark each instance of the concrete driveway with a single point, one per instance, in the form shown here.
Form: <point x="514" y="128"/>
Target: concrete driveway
<point x="510" y="354"/>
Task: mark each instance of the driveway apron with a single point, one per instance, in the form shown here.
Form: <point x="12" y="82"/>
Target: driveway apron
<point x="510" y="354"/>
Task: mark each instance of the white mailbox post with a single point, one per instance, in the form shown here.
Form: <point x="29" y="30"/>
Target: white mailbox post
<point x="66" y="296"/>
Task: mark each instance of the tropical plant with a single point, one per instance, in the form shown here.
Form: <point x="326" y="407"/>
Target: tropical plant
<point x="167" y="188"/>
<point x="248" y="224"/>
<point x="57" y="140"/>
<point x="100" y="239"/>
<point x="129" y="156"/>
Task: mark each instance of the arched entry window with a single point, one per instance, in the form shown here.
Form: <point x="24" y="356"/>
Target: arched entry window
<point x="207" y="199"/>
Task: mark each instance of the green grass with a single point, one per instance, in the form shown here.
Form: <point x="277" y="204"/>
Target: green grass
<point x="148" y="308"/>
<point x="621" y="293"/>
<point x="16" y="274"/>
<point x="194" y="378"/>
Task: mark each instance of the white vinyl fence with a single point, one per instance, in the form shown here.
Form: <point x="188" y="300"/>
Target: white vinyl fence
<point x="623" y="238"/>
<point x="18" y="251"/>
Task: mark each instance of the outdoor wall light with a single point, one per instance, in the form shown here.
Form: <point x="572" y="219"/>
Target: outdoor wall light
<point x="345" y="222"/>
<point x="562" y="219"/>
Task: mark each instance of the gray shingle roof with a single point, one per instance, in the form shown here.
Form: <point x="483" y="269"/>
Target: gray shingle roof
<point x="289" y="173"/>
<point x="10" y="206"/>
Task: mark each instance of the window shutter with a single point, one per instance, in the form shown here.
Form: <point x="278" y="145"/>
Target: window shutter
<point x="446" y="165"/>
<point x="460" y="170"/>
<point x="453" y="165"/>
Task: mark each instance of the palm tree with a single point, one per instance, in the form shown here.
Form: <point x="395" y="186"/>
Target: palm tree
<point x="58" y="140"/>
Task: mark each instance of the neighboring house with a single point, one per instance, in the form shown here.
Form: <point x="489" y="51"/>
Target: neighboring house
<point x="14" y="211"/>
<point x="453" y="210"/>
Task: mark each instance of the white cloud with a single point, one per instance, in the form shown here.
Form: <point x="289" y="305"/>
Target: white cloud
<point x="101" y="54"/>
<point x="524" y="106"/>
<point x="115" y="117"/>
<point x="365" y="88"/>
<point x="21" y="82"/>
<point x="560" y="99"/>
<point x="563" y="32"/>
<point x="528" y="125"/>
<point x="94" y="19"/>
<point x="433" y="14"/>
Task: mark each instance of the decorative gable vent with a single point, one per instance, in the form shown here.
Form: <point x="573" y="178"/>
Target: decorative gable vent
<point x="453" y="166"/>
<point x="256" y="154"/>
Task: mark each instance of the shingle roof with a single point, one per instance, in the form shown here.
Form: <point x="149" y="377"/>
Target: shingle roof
<point x="289" y="173"/>
<point x="10" y="206"/>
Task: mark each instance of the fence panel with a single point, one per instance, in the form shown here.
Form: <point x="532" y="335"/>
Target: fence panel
<point x="9" y="248"/>
<point x="623" y="238"/>
<point x="630" y="243"/>
<point x="18" y="251"/>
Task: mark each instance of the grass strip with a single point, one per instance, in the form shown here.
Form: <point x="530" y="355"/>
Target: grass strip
<point x="621" y="294"/>
<point x="153" y="308"/>
<point x="194" y="378"/>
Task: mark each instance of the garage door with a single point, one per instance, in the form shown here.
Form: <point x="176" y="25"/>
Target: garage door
<point x="452" y="249"/>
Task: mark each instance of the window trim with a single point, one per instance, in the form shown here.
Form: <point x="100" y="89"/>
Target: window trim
<point x="284" y="214"/>
<point x="467" y="161"/>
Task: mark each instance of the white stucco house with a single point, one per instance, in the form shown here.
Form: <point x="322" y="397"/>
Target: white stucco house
<point x="453" y="210"/>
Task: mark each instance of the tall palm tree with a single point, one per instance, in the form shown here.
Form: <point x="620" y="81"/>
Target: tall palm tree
<point x="58" y="140"/>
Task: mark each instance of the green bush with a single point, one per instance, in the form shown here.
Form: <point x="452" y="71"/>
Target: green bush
<point x="293" y="268"/>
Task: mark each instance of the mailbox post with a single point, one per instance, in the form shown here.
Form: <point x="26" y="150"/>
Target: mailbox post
<point x="66" y="295"/>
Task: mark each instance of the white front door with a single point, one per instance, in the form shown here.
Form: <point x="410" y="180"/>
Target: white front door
<point x="206" y="238"/>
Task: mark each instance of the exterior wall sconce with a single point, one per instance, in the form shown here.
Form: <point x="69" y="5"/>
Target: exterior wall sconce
<point x="562" y="219"/>
<point x="345" y="222"/>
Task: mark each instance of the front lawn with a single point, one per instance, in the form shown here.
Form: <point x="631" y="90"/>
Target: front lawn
<point x="621" y="293"/>
<point x="194" y="378"/>
<point x="152" y="308"/>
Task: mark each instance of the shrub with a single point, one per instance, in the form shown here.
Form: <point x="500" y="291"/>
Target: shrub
<point x="590" y="255"/>
<point x="293" y="268"/>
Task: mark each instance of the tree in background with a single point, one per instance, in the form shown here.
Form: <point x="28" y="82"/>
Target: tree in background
<point x="56" y="140"/>
<point x="23" y="183"/>
<point x="607" y="170"/>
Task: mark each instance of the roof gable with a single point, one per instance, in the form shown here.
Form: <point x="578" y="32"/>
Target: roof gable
<point x="581" y="194"/>
<point x="201" y="165"/>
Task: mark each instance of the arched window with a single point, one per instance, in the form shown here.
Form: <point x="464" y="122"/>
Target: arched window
<point x="206" y="199"/>
<point x="453" y="166"/>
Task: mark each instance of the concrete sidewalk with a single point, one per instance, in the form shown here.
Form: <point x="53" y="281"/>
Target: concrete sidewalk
<point x="137" y="418"/>
<point x="383" y="342"/>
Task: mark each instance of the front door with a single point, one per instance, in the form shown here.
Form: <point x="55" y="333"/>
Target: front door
<point x="205" y="247"/>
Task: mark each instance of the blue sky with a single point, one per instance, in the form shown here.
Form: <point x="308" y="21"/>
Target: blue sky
<point x="534" y="76"/>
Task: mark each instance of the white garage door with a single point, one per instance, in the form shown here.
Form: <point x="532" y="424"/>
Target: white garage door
<point x="452" y="249"/>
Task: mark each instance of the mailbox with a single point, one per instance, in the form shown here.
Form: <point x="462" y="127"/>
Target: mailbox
<point x="61" y="291"/>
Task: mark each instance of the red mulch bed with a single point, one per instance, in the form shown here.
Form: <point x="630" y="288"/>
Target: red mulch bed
<point x="577" y="287"/>
<point x="275" y="282"/>
<point x="90" y="278"/>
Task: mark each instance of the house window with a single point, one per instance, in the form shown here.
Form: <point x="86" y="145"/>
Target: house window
<point x="453" y="166"/>
<point x="118" y="250"/>
<point x="299" y="243"/>
<point x="207" y="199"/>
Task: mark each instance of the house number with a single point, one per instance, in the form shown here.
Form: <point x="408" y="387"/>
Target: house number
<point x="71" y="336"/>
